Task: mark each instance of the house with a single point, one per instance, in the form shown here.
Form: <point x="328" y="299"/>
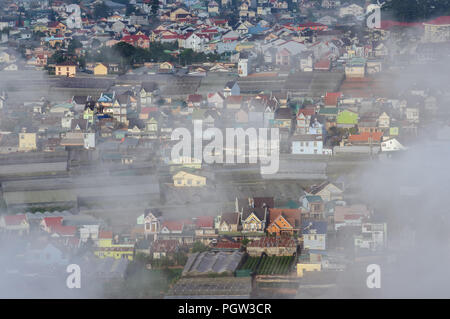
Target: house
<point x="234" y="102"/>
<point x="352" y="10"/>
<point x="351" y="215"/>
<point x="194" y="100"/>
<point x="332" y="99"/>
<point x="284" y="221"/>
<point x="327" y="191"/>
<point x="355" y="68"/>
<point x="109" y="245"/>
<point x="283" y="118"/>
<point x="213" y="7"/>
<point x="373" y="237"/>
<point x="148" y="92"/>
<point x="137" y="40"/>
<point x="152" y="222"/>
<point x="27" y="141"/>
<point x="228" y="222"/>
<point x="180" y="230"/>
<point x="391" y="145"/>
<point x="68" y="69"/>
<point x="164" y="248"/>
<point x="184" y="179"/>
<point x="303" y="120"/>
<point x="100" y="69"/>
<point x="254" y="219"/>
<point x="384" y="120"/>
<point x="437" y="30"/>
<point x="15" y="223"/>
<point x="283" y="57"/>
<point x="216" y="100"/>
<point x="272" y="246"/>
<point x="231" y="88"/>
<point x="314" y="205"/>
<point x="307" y="144"/>
<point x="366" y="138"/>
<point x="205" y="231"/>
<point x="314" y="234"/>
<point x="412" y="114"/>
<point x="194" y="42"/>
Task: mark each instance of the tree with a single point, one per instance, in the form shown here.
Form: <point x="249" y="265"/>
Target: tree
<point x="155" y="7"/>
<point x="74" y="44"/>
<point x="101" y="11"/>
<point x="199" y="247"/>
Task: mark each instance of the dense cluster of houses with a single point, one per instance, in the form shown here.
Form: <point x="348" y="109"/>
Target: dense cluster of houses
<point x="298" y="66"/>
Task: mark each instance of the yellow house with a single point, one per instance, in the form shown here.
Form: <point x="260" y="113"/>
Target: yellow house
<point x="100" y="69"/>
<point x="27" y="142"/>
<point x="166" y="66"/>
<point x="302" y="267"/>
<point x="174" y="14"/>
<point x="106" y="247"/>
<point x="244" y="46"/>
<point x="68" y="69"/>
<point x="184" y="179"/>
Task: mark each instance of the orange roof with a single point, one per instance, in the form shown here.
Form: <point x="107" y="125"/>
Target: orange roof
<point x="364" y="137"/>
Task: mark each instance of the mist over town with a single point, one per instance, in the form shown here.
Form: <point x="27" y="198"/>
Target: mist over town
<point x="224" y="149"/>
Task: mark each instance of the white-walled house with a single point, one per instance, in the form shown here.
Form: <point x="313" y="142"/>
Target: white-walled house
<point x="373" y="237"/>
<point x="412" y="114"/>
<point x="307" y="145"/>
<point x="384" y="120"/>
<point x="352" y="10"/>
<point x="391" y="145"/>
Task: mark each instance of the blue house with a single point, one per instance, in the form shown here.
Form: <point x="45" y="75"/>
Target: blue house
<point x="231" y="88"/>
<point x="314" y="234"/>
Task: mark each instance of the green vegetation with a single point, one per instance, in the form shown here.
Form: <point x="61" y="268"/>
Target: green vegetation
<point x="270" y="265"/>
<point x="128" y="55"/>
<point x="198" y="247"/>
<point x="417" y="10"/>
<point x="142" y="283"/>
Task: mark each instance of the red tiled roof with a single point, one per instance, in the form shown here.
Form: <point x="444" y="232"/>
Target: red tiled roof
<point x="322" y="64"/>
<point x="204" y="222"/>
<point x="134" y="38"/>
<point x="331" y="98"/>
<point x="364" y="137"/>
<point x="105" y="234"/>
<point x="234" y="99"/>
<point x="287" y="213"/>
<point x="64" y="230"/>
<point x="225" y="245"/>
<point x="52" y="221"/>
<point x="148" y="110"/>
<point x="195" y="98"/>
<point x="13" y="220"/>
<point x="307" y="111"/>
<point x="173" y="225"/>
